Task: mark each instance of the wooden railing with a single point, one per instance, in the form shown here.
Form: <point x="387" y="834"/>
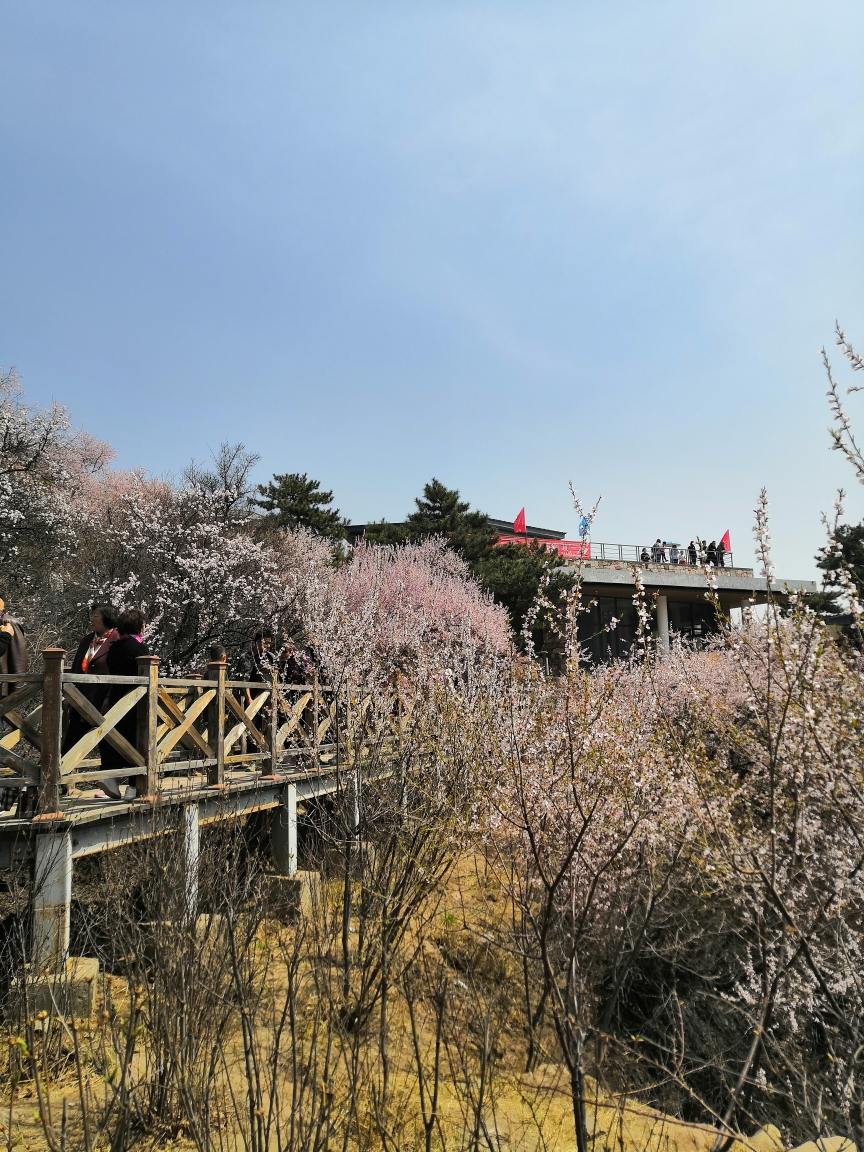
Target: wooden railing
<point x="194" y="726"/>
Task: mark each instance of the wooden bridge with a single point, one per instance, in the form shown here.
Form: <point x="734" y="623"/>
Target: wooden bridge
<point x="207" y="749"/>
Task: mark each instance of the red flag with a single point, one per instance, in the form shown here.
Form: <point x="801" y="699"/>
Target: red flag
<point x="726" y="542"/>
<point x="519" y="522"/>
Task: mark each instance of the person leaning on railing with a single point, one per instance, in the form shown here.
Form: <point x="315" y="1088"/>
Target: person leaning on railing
<point x="122" y="660"/>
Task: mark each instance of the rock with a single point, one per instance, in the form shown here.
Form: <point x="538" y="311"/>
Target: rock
<point x="71" y="992"/>
<point x="286" y="897"/>
<point x="827" y="1144"/>
<point x="767" y="1139"/>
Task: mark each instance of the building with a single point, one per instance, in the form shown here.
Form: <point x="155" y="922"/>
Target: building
<point x="609" y="582"/>
<point x="678" y="590"/>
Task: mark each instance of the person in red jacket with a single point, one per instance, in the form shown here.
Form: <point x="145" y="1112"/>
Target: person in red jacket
<point x="91" y="657"/>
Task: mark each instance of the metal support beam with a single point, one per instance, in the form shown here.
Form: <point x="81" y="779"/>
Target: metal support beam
<point x="52" y="896"/>
<point x="283" y="834"/>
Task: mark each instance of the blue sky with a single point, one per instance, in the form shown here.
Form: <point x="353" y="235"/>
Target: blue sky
<point x="510" y="245"/>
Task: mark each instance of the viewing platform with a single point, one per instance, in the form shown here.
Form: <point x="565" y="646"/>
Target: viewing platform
<point x="612" y="566"/>
<point x="677" y="591"/>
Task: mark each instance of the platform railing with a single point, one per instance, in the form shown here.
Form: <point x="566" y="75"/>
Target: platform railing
<point x="209" y="727"/>
<point x="647" y="554"/>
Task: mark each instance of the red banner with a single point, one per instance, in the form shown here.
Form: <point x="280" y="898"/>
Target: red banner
<point x="569" y="549"/>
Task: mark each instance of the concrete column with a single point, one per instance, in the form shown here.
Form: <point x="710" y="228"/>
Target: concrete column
<point x="283" y="833"/>
<point x="662" y="624"/>
<point x="355" y="799"/>
<point x="52" y="897"/>
<point x="190" y="859"/>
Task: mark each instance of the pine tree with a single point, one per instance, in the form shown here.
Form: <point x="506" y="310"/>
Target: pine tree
<point x="292" y="500"/>
<point x="827" y="603"/>
<point x="512" y="573"/>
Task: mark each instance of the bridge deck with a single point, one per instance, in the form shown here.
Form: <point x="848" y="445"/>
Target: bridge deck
<point x="97" y="824"/>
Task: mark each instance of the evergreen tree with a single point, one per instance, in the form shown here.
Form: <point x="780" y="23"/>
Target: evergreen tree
<point x="511" y="572"/>
<point x="850" y="537"/>
<point x="440" y="511"/>
<point x="387" y="532"/>
<point x="292" y="500"/>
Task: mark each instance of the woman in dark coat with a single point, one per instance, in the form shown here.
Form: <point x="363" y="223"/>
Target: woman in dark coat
<point x="14" y="657"/>
<point x="91" y="657"/>
<point x="122" y="661"/>
<point x="6" y="634"/>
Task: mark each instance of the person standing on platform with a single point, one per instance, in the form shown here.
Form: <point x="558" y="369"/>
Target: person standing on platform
<point x="122" y="660"/>
<point x="15" y="658"/>
<point x="257" y="664"/>
<point x="711" y="553"/>
<point x="294" y="664"/>
<point x="91" y="658"/>
<point x="721" y="554"/>
<point x="692" y="554"/>
<point x="6" y="634"/>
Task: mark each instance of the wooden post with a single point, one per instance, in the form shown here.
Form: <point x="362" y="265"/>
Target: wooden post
<point x="148" y="723"/>
<point x="274" y="719"/>
<point x="52" y="731"/>
<point x="216" y="721"/>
